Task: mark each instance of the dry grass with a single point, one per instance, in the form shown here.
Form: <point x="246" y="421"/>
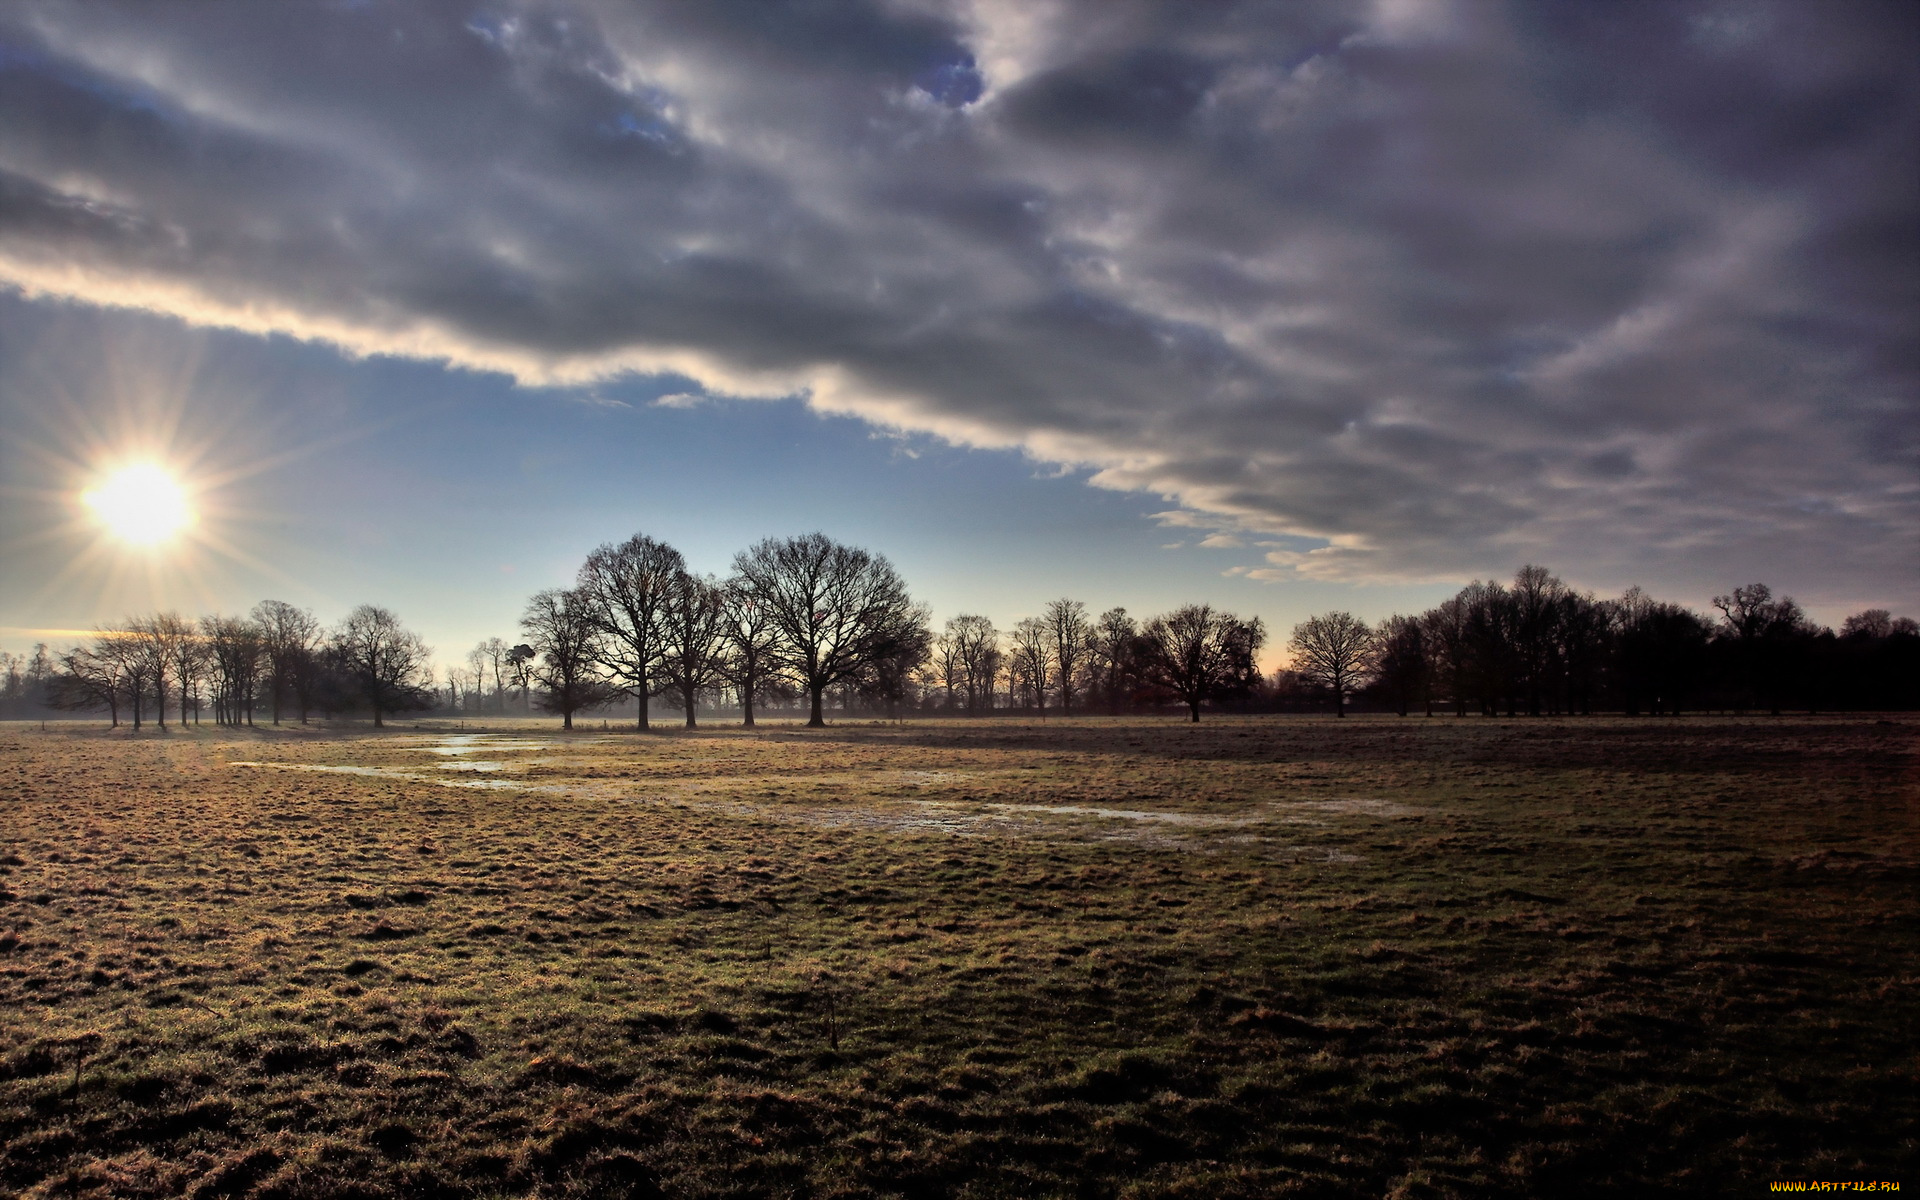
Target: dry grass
<point x="1259" y="957"/>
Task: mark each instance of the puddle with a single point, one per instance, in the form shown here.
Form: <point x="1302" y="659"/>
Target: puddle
<point x="955" y="817"/>
<point x="1119" y="814"/>
<point x="415" y="777"/>
<point x="1363" y="805"/>
<point x="455" y="745"/>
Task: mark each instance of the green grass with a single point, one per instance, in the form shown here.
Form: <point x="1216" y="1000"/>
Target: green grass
<point x="1364" y="958"/>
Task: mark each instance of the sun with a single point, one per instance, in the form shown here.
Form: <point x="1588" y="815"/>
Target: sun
<point x="141" y="504"/>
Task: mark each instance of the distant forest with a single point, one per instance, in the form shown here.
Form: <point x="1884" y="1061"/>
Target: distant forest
<point x="809" y="626"/>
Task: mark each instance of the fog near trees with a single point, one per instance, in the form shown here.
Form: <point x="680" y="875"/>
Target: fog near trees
<point x="810" y="627"/>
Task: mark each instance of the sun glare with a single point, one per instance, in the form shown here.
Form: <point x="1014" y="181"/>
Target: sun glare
<point x="141" y="504"/>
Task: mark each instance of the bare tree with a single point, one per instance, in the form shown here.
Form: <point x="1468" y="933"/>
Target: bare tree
<point x="1750" y="611"/>
<point x="838" y="608"/>
<point x="189" y="657"/>
<point x="1659" y="649"/>
<point x="478" y="660"/>
<point x="886" y="679"/>
<point x="496" y="651"/>
<point x="1399" y="664"/>
<point x="156" y="641"/>
<point x="1537" y="598"/>
<point x="148" y="644"/>
<point x="975" y="648"/>
<point x="1240" y="677"/>
<point x="387" y="663"/>
<point x="13" y="682"/>
<point x="130" y="649"/>
<point x="1332" y="650"/>
<point x="1871" y="623"/>
<point x="563" y="630"/>
<point x="1766" y="637"/>
<point x="460" y="689"/>
<point x="753" y="642"/>
<point x="693" y="639"/>
<point x="1444" y="630"/>
<point x="1072" y="635"/>
<point x="26" y="684"/>
<point x="1111" y="652"/>
<point x="1585" y="632"/>
<point x="628" y="587"/>
<point x="1033" y="660"/>
<point x="291" y="639"/>
<point x="237" y="647"/>
<point x="949" y="666"/>
<point x="926" y="687"/>
<point x="1194" y="651"/>
<point x="92" y="677"/>
<point x="519" y="662"/>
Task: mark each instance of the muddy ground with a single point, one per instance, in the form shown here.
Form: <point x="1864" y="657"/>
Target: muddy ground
<point x="1263" y="956"/>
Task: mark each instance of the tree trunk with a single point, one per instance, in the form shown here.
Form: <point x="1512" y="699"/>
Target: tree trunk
<point x="746" y="706"/>
<point x="1193" y="707"/>
<point x="815" y="720"/>
<point x="688" y="698"/>
<point x="1339" y="703"/>
<point x="566" y="720"/>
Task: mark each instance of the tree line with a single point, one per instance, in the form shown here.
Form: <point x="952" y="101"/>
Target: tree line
<point x="810" y="622"/>
<point x="1537" y="646"/>
<point x="277" y="660"/>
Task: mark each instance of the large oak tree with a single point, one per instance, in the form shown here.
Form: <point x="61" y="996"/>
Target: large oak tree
<point x="388" y="666"/>
<point x="1332" y="650"/>
<point x="627" y="588"/>
<point x="563" y="634"/>
<point x="1197" y="652"/>
<point x="840" y="610"/>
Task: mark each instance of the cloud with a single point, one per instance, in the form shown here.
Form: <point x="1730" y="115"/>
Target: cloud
<point x="1435" y="286"/>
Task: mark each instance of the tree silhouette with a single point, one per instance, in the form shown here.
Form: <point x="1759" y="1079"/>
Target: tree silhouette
<point x="1195" y="651"/>
<point x="627" y="588"/>
<point x="838" y="608"/>
<point x="693" y="639"/>
<point x="1071" y="633"/>
<point x="562" y="630"/>
<point x="752" y="641"/>
<point x="387" y="665"/>
<point x="1332" y="651"/>
<point x="291" y="638"/>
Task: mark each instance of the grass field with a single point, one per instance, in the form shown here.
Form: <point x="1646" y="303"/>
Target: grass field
<point x="1257" y="957"/>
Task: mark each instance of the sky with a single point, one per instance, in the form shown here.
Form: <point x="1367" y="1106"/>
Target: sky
<point x="1285" y="307"/>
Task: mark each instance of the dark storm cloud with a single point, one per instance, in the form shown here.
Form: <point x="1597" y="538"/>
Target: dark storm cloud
<point x="1445" y="285"/>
